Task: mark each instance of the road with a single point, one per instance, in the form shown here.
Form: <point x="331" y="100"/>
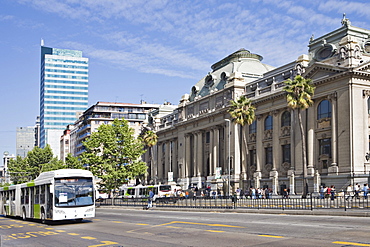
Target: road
<point x="134" y="227"/>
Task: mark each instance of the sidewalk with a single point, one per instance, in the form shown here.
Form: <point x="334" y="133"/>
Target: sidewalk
<point x="324" y="212"/>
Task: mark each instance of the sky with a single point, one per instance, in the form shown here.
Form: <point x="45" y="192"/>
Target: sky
<point x="150" y="50"/>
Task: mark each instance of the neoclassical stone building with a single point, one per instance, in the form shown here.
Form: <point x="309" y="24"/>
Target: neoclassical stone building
<point x="194" y="140"/>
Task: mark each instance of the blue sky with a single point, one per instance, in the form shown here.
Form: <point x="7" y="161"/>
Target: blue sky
<point x="152" y="50"/>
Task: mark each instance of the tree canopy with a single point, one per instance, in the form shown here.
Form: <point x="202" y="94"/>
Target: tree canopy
<point x="112" y="153"/>
<point x="38" y="160"/>
<point x="242" y="111"/>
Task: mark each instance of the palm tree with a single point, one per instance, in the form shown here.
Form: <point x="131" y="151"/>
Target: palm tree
<point x="150" y="139"/>
<point x="242" y="113"/>
<point x="299" y="96"/>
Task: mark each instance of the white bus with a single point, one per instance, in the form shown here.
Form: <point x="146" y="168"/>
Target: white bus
<point x="64" y="194"/>
<point x="160" y="191"/>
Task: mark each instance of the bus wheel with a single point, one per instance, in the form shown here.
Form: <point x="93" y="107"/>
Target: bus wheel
<point x="43" y="218"/>
<point x="24" y="214"/>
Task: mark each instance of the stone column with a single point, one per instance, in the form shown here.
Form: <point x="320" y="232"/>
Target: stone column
<point x="333" y="169"/>
<point x="167" y="157"/>
<point x="216" y="150"/>
<point x="276" y="147"/>
<point x="259" y="151"/>
<point x="210" y="154"/>
<point x="175" y="168"/>
<point x="310" y="141"/>
<point x="274" y="176"/>
<point x="160" y="161"/>
<point x="317" y="183"/>
<point x="199" y="152"/>
<point x="187" y="167"/>
<point x="292" y="183"/>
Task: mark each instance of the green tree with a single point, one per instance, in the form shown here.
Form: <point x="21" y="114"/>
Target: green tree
<point x="150" y="139"/>
<point x="113" y="154"/>
<point x="38" y="160"/>
<point x="299" y="94"/>
<point x="18" y="170"/>
<point x="242" y="113"/>
<point x="73" y="162"/>
<point x="42" y="160"/>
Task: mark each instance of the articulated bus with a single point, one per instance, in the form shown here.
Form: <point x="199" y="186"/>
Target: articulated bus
<point x="139" y="191"/>
<point x="64" y="194"/>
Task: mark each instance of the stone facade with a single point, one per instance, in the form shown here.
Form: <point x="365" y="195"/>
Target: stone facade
<point x="193" y="143"/>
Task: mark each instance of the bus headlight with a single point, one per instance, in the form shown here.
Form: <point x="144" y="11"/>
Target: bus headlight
<point x="60" y="211"/>
<point x="90" y="210"/>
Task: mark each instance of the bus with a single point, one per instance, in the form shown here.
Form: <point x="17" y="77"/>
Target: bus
<point x="66" y="194"/>
<point x="160" y="191"/>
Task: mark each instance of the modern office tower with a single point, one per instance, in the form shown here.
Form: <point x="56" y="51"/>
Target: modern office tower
<point x="63" y="92"/>
<point x="25" y="140"/>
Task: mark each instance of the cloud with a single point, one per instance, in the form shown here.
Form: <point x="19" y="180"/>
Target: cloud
<point x="6" y="17"/>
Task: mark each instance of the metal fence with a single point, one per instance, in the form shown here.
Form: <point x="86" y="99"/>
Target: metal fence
<point x="310" y="203"/>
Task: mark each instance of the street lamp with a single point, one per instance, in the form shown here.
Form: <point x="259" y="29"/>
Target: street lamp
<point x="228" y="158"/>
<point x="367" y="156"/>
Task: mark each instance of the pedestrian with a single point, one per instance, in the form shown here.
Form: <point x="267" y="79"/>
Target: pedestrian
<point x="322" y="192"/>
<point x="150" y="199"/>
<point x="357" y="191"/>
<point x="349" y="192"/>
<point x="332" y="192"/>
<point x="285" y="194"/>
<point x="365" y="189"/>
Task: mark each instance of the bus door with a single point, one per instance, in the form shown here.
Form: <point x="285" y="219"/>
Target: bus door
<point x="49" y="202"/>
<point x="32" y="200"/>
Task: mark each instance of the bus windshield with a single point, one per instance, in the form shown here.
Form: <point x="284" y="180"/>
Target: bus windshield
<point x="71" y="192"/>
<point x="165" y="188"/>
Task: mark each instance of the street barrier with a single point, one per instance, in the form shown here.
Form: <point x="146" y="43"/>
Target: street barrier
<point x="309" y="203"/>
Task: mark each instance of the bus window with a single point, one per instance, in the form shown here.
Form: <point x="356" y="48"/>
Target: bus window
<point x="42" y="194"/>
<point x="37" y="195"/>
<point x="73" y="192"/>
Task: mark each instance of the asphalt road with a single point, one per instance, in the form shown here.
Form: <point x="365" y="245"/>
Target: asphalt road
<point x="135" y="227"/>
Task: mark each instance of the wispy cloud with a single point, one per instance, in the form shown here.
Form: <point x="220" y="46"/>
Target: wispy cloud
<point x="172" y="37"/>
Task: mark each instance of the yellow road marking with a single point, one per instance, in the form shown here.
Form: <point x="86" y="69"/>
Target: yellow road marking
<point x="202" y="224"/>
<point x="49" y="228"/>
<point x="350" y="243"/>
<point x="271" y="236"/>
<point x="214" y="231"/>
<point x="141" y="224"/>
<point x="88" y="237"/>
<point x="117" y="221"/>
<point x="104" y="243"/>
<point x="60" y="231"/>
<point x="73" y="234"/>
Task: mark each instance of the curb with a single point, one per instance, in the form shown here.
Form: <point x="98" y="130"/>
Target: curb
<point x="253" y="211"/>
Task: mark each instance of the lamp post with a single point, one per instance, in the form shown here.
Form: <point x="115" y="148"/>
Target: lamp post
<point x="228" y="158"/>
<point x="367" y="156"/>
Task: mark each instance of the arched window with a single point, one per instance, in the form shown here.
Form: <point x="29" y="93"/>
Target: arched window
<point x="253" y="127"/>
<point x="285" y="119"/>
<point x="324" y="109"/>
<point x="268" y="123"/>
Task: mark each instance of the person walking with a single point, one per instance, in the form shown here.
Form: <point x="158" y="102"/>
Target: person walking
<point x="332" y="192"/>
<point x="365" y="189"/>
<point x="349" y="192"/>
<point x="150" y="199"/>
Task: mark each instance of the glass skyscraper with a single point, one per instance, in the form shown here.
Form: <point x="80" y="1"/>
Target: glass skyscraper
<point x="63" y="92"/>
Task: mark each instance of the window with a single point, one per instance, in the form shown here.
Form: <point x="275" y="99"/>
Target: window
<point x="208" y="137"/>
<point x="324" y="110"/>
<point x="368" y="105"/>
<point x="286" y="153"/>
<point x="285" y="119"/>
<point x="253" y="127"/>
<point x="268" y="123"/>
<point x="253" y="157"/>
<point x="325" y="146"/>
<point x="268" y="155"/>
